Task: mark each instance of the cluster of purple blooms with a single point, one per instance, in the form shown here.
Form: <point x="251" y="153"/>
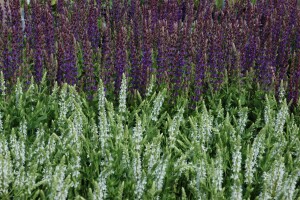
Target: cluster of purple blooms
<point x="187" y="44"/>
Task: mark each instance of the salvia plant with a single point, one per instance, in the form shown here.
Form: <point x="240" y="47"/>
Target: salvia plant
<point x="56" y="145"/>
<point x="187" y="45"/>
<point x="149" y="99"/>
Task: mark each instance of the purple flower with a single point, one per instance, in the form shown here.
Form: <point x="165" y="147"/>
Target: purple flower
<point x="107" y="64"/>
<point x="88" y="68"/>
<point x="120" y="57"/>
<point x="93" y="31"/>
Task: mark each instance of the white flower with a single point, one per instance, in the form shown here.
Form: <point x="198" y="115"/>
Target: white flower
<point x="267" y="113"/>
<point x="243" y="116"/>
<point x="281" y="118"/>
<point x="23" y="129"/>
<point x="290" y="186"/>
<point x="160" y="173"/>
<point x="273" y="181"/>
<point x="74" y="167"/>
<point x="251" y="161"/>
<point x="63" y="109"/>
<point x="236" y="193"/>
<point x="218" y="171"/>
<point x="123" y="95"/>
<point x="173" y="129"/>
<point x="120" y="128"/>
<point x="150" y="87"/>
<point x="204" y="128"/>
<point x="281" y="92"/>
<point x="137" y="134"/>
<point x="101" y="189"/>
<point x="2" y="85"/>
<point x="201" y="174"/>
<point x="236" y="188"/>
<point x="6" y="173"/>
<point x="78" y="125"/>
<point x="140" y="180"/>
<point x="101" y="97"/>
<point x="159" y="100"/>
<point x="51" y="147"/>
<point x="153" y="151"/>
<point x="103" y="124"/>
<point x="1" y="124"/>
<point x="60" y="185"/>
<point x="19" y="93"/>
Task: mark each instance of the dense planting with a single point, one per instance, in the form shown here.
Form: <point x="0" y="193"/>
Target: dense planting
<point x="187" y="44"/>
<point x="149" y="99"/>
<point x="54" y="145"/>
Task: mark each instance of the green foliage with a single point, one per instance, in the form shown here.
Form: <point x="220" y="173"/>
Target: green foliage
<point x="235" y="144"/>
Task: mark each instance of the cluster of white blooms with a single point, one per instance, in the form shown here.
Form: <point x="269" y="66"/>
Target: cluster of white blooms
<point x="60" y="184"/>
<point x="101" y="97"/>
<point x="123" y="95"/>
<point x="236" y="188"/>
<point x="294" y="132"/>
<point x="281" y="92"/>
<point x="181" y="165"/>
<point x="18" y="150"/>
<point x="202" y="130"/>
<point x="54" y="92"/>
<point x="151" y="86"/>
<point x="140" y="179"/>
<point x="72" y="99"/>
<point x="218" y="171"/>
<point x="281" y="118"/>
<point x="159" y="100"/>
<point x="173" y="129"/>
<point x="278" y="147"/>
<point x="201" y="171"/>
<point x="206" y="124"/>
<point x="68" y="137"/>
<point x="23" y="130"/>
<point x="2" y="85"/>
<point x="201" y="174"/>
<point x="160" y="173"/>
<point x="39" y="148"/>
<point x="125" y="157"/>
<point x="19" y="93"/>
<point x="1" y="124"/>
<point x="6" y="173"/>
<point x="195" y="136"/>
<point x="103" y="125"/>
<point x="47" y="174"/>
<point x="78" y="124"/>
<point x="17" y="147"/>
<point x="63" y="107"/>
<point x="94" y="131"/>
<point x="30" y="177"/>
<point x="269" y="114"/>
<point x="205" y="127"/>
<point x="120" y="128"/>
<point x="137" y="136"/>
<point x="153" y="151"/>
<point x="74" y="166"/>
<point x="251" y="161"/>
<point x="51" y="147"/>
<point x="290" y="186"/>
<point x="75" y="159"/>
<point x="273" y="181"/>
<point x="236" y="192"/>
<point x="243" y="116"/>
<point x="100" y="192"/>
